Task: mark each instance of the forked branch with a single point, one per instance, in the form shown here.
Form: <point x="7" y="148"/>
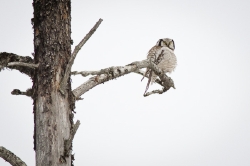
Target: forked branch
<point x="102" y="71"/>
<point x="73" y="56"/>
<point x="110" y="73"/>
<point x="11" y="157"/>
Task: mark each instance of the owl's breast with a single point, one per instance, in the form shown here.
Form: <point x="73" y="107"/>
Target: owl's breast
<point x="169" y="61"/>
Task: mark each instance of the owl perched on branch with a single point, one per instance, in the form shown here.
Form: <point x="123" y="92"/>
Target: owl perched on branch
<point x="162" y="54"/>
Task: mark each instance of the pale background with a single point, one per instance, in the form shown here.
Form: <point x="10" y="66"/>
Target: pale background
<point x="204" y="122"/>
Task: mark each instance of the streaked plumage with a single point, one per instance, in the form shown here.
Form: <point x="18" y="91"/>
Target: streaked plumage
<point x="162" y="54"/>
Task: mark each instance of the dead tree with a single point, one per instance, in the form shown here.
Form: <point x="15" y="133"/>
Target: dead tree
<point x="50" y="71"/>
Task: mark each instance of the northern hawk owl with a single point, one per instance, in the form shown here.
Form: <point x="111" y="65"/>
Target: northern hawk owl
<point x="162" y="54"/>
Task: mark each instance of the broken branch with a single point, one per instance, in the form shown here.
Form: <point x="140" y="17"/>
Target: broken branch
<point x="73" y="56"/>
<point x="68" y="143"/>
<point x="28" y="92"/>
<point x="24" y="64"/>
<point x="11" y="157"/>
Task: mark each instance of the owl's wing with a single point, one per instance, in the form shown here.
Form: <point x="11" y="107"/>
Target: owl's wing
<point x="155" y="55"/>
<point x="164" y="58"/>
<point x="152" y="53"/>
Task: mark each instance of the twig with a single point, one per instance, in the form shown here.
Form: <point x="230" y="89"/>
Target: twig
<point x="11" y="157"/>
<point x="154" y="92"/>
<point x="73" y="56"/>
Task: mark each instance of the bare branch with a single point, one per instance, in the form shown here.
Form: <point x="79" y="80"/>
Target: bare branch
<point x="117" y="71"/>
<point x="28" y="92"/>
<point x="87" y="73"/>
<point x="86" y="38"/>
<point x="11" y="157"/>
<point x="29" y="65"/>
<point x="73" y="56"/>
<point x="110" y="73"/>
<point x="24" y="64"/>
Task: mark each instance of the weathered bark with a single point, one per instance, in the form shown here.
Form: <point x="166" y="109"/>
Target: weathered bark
<point x="11" y="157"/>
<point x="20" y="63"/>
<point x="52" y="110"/>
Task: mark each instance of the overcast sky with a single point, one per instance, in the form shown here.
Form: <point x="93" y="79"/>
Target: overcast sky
<point x="205" y="121"/>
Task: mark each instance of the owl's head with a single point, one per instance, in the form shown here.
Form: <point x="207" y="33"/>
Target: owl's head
<point x="166" y="42"/>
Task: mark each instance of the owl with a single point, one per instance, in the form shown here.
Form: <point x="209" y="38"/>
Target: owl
<point x="162" y="54"/>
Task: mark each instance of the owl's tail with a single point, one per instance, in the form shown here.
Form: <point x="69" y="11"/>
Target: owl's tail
<point x="151" y="78"/>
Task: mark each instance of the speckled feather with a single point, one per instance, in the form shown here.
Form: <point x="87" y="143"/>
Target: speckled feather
<point x="167" y="62"/>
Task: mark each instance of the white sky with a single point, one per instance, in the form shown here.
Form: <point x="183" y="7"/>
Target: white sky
<point x="204" y="122"/>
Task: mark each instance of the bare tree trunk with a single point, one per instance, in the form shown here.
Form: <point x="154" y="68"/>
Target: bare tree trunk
<point x="52" y="110"/>
<point x="50" y="71"/>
